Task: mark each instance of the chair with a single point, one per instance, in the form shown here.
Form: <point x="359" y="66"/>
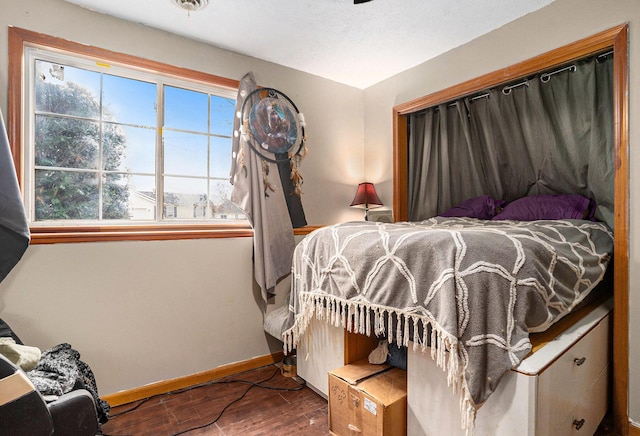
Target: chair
<point x="24" y="411"/>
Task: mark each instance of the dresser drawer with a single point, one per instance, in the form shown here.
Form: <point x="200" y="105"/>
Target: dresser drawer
<point x="569" y="380"/>
<point x="591" y="408"/>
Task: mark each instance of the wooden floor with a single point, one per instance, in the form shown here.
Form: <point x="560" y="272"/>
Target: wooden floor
<point x="260" y="412"/>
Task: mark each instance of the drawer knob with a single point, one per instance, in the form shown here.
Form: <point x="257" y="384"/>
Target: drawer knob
<point x="579" y="361"/>
<point x="578" y="424"/>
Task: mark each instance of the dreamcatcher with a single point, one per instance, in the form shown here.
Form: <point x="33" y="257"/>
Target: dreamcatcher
<point x="274" y="129"/>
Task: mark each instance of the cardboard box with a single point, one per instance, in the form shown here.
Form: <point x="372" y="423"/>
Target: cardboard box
<point x="368" y="400"/>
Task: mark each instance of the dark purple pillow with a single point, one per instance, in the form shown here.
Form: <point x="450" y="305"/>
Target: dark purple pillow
<point x="548" y="207"/>
<point x="483" y="207"/>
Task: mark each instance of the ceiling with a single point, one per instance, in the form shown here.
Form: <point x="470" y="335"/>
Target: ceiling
<point x="355" y="44"/>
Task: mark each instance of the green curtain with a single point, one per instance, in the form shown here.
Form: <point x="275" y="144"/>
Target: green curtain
<point x="548" y="134"/>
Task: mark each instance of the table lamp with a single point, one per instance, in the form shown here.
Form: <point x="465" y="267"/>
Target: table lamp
<point x="366" y="198"/>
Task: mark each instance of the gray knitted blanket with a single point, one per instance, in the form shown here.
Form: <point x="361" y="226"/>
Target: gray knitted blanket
<point x="60" y="371"/>
<point x="467" y="290"/>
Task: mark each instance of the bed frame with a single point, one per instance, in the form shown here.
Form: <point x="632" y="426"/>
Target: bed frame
<point x="575" y="352"/>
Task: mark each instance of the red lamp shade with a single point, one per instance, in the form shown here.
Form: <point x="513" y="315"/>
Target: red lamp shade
<point x="366" y="196"/>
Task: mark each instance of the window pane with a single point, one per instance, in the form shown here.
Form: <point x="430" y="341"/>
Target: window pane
<point x="184" y="198"/>
<point x="222" y="113"/>
<point x="185" y="154"/>
<point x="66" y="195"/>
<point x="143" y="184"/>
<point x="220" y="156"/>
<point x="115" y="197"/>
<point x="221" y="205"/>
<point x="66" y="142"/>
<point x="186" y="110"/>
<point x="128" y="101"/>
<point x="142" y="197"/>
<point x="66" y="90"/>
<point x="129" y="149"/>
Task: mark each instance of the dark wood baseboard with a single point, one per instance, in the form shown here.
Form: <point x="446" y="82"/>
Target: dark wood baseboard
<point x="164" y="386"/>
<point x="633" y="430"/>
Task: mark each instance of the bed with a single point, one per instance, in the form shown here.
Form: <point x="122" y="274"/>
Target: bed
<point x="507" y="196"/>
<point x="466" y="290"/>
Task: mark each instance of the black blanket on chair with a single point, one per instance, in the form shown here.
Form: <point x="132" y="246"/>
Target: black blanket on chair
<point x="60" y="370"/>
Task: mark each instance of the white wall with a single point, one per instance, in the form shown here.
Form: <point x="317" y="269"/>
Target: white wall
<point x="560" y="23"/>
<point x="141" y="312"/>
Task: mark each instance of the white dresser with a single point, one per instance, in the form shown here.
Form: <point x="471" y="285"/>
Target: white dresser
<point x="320" y="351"/>
<point x="561" y="389"/>
<point x="325" y="347"/>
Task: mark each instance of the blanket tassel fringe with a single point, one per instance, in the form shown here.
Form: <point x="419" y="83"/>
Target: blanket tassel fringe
<point x="356" y="318"/>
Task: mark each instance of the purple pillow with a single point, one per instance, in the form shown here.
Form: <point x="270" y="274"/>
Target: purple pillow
<point x="483" y="207"/>
<point x="548" y="207"/>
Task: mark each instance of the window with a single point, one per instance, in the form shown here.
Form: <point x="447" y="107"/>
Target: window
<point x="114" y="144"/>
<point x="111" y="144"/>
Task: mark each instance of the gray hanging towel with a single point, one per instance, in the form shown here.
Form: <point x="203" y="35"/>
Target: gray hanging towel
<point x="258" y="191"/>
<point x="14" y="230"/>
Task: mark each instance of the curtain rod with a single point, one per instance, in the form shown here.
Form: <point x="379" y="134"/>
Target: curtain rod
<point x="507" y="89"/>
<point x="603" y="55"/>
<point x="544" y="78"/>
<point x="478" y="97"/>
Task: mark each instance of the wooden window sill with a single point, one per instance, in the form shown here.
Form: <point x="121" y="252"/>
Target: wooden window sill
<point x="57" y="235"/>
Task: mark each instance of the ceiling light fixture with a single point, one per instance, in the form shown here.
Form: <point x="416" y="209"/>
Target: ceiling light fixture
<point x="191" y="5"/>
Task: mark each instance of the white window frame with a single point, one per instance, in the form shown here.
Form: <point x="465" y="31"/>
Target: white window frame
<point x="32" y="54"/>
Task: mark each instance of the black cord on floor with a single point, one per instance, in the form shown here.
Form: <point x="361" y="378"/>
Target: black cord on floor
<point x="124" y="412"/>
<point x="252" y="385"/>
<point x="213" y="382"/>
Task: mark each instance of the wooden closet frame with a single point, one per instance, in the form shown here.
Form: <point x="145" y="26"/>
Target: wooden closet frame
<point x="616" y="39"/>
